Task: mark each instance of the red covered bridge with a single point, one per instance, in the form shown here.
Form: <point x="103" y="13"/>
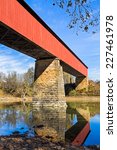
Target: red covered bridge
<point x="23" y="30"/>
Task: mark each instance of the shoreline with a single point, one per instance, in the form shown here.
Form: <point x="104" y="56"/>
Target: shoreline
<point x="12" y="100"/>
<point x="82" y="98"/>
<point x="37" y="143"/>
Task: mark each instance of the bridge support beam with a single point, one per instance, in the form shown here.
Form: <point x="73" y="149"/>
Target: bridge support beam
<point x="82" y="83"/>
<point x="49" y="84"/>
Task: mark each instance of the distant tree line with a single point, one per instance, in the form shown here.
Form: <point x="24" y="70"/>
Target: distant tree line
<point x="21" y="85"/>
<point x="93" y="89"/>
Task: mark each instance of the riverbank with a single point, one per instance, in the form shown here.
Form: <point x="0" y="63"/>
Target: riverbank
<point x="36" y="143"/>
<point x="82" y="98"/>
<point x="11" y="99"/>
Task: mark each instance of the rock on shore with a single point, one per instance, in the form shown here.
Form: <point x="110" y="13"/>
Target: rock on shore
<point x="37" y="143"/>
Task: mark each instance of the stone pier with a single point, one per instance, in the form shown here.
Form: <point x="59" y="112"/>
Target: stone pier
<point x="81" y="83"/>
<point x="49" y="84"/>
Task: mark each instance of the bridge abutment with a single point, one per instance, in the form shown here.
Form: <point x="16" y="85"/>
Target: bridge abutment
<point x="49" y="84"/>
<point x="82" y="83"/>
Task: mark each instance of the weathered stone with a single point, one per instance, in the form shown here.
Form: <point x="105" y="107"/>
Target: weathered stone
<point x="82" y="83"/>
<point x="49" y="84"/>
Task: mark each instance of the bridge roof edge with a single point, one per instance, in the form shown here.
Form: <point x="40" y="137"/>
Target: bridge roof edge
<point x="32" y="12"/>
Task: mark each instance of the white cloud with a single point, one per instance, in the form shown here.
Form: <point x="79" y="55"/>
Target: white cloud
<point x="11" y="60"/>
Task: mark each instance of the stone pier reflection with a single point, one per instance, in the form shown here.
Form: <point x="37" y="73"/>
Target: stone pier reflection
<point x="50" y="122"/>
<point x="77" y="133"/>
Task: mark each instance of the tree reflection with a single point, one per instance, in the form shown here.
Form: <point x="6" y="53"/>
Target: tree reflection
<point x="13" y="118"/>
<point x="54" y="124"/>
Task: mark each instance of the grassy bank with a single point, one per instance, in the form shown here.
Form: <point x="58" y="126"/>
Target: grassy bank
<point x="7" y="98"/>
<point x="82" y="99"/>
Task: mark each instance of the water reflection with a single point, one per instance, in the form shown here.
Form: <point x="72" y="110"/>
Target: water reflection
<point x="15" y="120"/>
<point x="94" y="135"/>
<point x="79" y="123"/>
<point x="50" y="122"/>
<point x="79" y="116"/>
<point x="80" y="127"/>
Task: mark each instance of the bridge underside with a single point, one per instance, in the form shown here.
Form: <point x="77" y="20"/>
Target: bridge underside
<point x="16" y="41"/>
<point x="24" y="31"/>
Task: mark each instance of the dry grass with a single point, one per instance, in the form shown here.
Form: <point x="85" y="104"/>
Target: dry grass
<point x="83" y="99"/>
<point x="2" y="93"/>
<point x="7" y="98"/>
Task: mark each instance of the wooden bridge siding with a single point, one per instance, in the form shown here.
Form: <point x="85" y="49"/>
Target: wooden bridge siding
<point x="18" y="18"/>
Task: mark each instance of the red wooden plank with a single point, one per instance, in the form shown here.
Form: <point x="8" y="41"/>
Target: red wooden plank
<point x="78" y="141"/>
<point x="14" y="15"/>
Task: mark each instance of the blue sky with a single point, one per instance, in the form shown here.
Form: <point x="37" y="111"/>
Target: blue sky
<point x="86" y="45"/>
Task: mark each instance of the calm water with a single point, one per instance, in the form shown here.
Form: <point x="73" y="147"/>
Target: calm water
<point x="86" y="112"/>
<point x="15" y="119"/>
<point x="18" y="119"/>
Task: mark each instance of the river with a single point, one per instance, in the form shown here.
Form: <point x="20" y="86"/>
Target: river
<point x="79" y="124"/>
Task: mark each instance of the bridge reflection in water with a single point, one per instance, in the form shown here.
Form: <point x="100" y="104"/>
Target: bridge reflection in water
<point x="77" y="133"/>
<point x="51" y="123"/>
